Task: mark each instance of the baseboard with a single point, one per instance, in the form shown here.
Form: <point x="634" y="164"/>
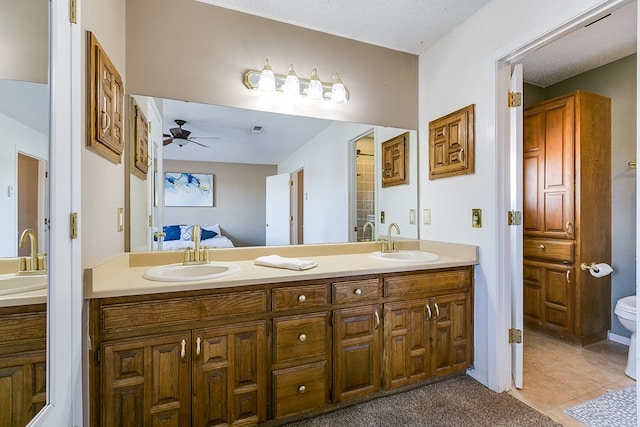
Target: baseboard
<point x="619" y="338"/>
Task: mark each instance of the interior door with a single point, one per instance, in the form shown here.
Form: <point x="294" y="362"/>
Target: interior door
<point x="515" y="203"/>
<point x="155" y="177"/>
<point x="278" y="210"/>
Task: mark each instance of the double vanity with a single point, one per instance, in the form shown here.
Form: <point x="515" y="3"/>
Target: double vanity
<point x="234" y="343"/>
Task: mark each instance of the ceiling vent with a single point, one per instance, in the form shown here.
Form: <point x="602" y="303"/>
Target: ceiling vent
<point x="257" y="129"/>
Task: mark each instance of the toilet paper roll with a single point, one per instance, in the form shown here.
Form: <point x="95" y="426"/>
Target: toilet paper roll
<point x="600" y="269"/>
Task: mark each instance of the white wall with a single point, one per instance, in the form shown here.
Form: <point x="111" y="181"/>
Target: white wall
<point x="459" y="70"/>
<point x="397" y="200"/>
<point x="325" y="160"/>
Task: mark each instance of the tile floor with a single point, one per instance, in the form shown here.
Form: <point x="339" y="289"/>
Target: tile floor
<point x="558" y="375"/>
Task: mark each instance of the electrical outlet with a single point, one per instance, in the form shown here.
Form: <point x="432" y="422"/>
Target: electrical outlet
<point x="426" y="216"/>
<point x="476" y="218"/>
<point x="381" y="217"/>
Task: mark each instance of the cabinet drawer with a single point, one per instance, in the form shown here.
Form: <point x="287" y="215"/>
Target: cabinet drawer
<point x="356" y="290"/>
<point x="296" y="297"/>
<point x="427" y="283"/>
<point x="299" y="389"/>
<point x="552" y="250"/>
<point x="154" y="313"/>
<point x="298" y="337"/>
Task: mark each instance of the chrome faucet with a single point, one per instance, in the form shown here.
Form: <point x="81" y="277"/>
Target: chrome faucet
<point x="391" y="244"/>
<point x="370" y="225"/>
<point x="33" y="264"/>
<point x="197" y="255"/>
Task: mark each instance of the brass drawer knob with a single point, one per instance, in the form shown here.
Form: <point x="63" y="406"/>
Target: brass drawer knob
<point x="302" y="389"/>
<point x="358" y="291"/>
<point x="302" y="337"/>
<point x="541" y="246"/>
<point x="302" y="298"/>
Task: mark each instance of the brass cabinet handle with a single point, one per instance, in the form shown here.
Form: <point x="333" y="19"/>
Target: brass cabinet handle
<point x="428" y="311"/>
<point x="108" y="125"/>
<point x="358" y="291"/>
<point x="302" y="298"/>
<point x="302" y="389"/>
<point x="183" y="349"/>
<point x="377" y="319"/>
<point x="461" y="155"/>
<point x="437" y="310"/>
<point x="541" y="246"/>
<point x="568" y="276"/>
<point x="302" y="337"/>
<point x="198" y="346"/>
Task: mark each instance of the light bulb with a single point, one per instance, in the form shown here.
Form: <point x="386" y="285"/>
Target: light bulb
<point x="314" y="91"/>
<point x="267" y="82"/>
<point x="291" y="83"/>
<point x="338" y="91"/>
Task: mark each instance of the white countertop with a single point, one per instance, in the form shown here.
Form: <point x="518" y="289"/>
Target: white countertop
<point x="122" y="276"/>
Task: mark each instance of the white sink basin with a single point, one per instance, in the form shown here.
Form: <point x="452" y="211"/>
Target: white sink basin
<point x="186" y="273"/>
<point x="405" y="256"/>
<point x="14" y="284"/>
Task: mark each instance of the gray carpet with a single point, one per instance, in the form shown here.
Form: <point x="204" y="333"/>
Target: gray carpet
<point x="459" y="401"/>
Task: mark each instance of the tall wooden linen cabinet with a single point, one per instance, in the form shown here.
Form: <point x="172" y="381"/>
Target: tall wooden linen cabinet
<point x="567" y="216"/>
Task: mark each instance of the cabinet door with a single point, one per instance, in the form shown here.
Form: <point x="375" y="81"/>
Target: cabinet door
<point x="549" y="169"/>
<point x="549" y="296"/>
<point x="23" y="387"/>
<point x="357" y="352"/>
<point x="451" y="333"/>
<point x="145" y="381"/>
<point x="407" y="346"/>
<point x="229" y="375"/>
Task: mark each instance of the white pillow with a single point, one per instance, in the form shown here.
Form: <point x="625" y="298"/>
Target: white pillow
<point x="214" y="227"/>
<point x="185" y="232"/>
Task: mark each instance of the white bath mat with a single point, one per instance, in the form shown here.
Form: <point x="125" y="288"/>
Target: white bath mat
<point x="615" y="409"/>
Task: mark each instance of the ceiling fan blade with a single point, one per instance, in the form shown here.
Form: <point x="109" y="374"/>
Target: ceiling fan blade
<point x="167" y="141"/>
<point x="206" y="137"/>
<point x="202" y="145"/>
<point x="166" y="135"/>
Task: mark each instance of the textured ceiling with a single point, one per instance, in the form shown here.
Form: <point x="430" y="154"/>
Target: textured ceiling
<point x="408" y="25"/>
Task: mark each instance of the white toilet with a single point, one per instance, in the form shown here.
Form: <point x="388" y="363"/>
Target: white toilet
<point x="626" y="312"/>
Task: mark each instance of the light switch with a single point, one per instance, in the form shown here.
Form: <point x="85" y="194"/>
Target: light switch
<point x="120" y="220"/>
<point x="476" y="218"/>
<point x="426" y="216"/>
<point x="412" y="216"/>
<point x="381" y="217"/>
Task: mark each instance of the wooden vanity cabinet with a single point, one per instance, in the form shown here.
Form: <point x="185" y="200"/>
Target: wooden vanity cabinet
<point x="278" y="352"/>
<point x="427" y="337"/>
<point x="209" y="368"/>
<point x="22" y="363"/>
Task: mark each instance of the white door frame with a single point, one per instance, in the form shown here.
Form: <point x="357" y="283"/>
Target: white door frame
<point x="500" y="63"/>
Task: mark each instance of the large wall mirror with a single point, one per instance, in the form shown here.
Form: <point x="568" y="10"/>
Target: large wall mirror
<point x="24" y="210"/>
<point x="273" y="179"/>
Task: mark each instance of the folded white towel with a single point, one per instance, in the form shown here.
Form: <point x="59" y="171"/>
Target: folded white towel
<point x="282" y="262"/>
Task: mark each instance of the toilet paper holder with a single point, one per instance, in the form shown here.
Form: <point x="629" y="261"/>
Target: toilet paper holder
<point x="592" y="266"/>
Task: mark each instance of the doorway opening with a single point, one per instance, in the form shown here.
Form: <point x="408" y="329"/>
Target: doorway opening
<point x="516" y="256"/>
<point x="32" y="200"/>
<point x="365" y="191"/>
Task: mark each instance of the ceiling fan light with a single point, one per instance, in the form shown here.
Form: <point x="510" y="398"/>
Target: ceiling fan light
<point x="314" y="91"/>
<point x="338" y="91"/>
<point x="181" y="142"/>
<point x="267" y="82"/>
<point x="291" y="84"/>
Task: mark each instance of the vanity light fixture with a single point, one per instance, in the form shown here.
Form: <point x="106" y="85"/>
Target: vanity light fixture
<point x="292" y="86"/>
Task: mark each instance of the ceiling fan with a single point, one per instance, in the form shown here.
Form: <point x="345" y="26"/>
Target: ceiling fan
<point x="181" y="136"/>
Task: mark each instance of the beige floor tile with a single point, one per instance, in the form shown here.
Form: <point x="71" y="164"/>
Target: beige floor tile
<point x="559" y="375"/>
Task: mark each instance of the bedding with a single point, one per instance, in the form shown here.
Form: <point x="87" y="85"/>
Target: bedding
<point x="178" y="237"/>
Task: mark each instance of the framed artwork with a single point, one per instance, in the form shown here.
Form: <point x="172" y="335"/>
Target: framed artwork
<point x="188" y="189"/>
